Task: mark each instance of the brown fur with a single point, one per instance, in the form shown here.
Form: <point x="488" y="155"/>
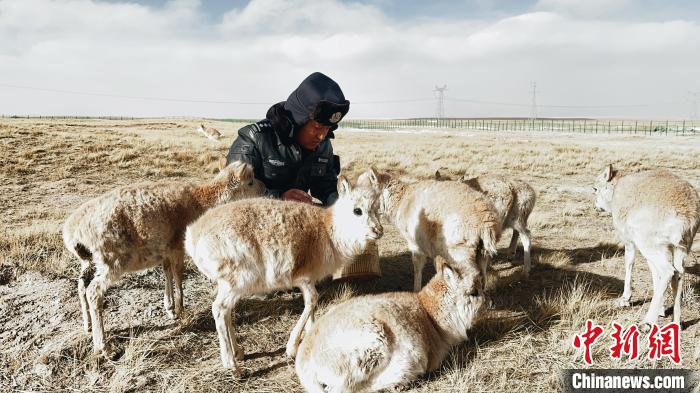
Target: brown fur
<point x="661" y="188"/>
<point x="429" y="297"/>
<point x="140" y="226"/>
<point x="308" y="256"/>
<point x="657" y="213"/>
<point x="446" y="219"/>
<point x="210" y="132"/>
<point x="513" y="200"/>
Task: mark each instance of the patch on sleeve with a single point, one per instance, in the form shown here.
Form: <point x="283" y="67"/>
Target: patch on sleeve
<point x="276" y="162"/>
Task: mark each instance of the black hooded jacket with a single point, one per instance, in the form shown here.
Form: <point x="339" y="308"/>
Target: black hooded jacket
<point x="278" y="161"/>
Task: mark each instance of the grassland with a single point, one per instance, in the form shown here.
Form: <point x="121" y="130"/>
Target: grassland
<point x="51" y="166"/>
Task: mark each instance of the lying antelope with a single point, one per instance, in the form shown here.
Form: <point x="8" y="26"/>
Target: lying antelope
<point x="211" y="133"/>
<point x="383" y="341"/>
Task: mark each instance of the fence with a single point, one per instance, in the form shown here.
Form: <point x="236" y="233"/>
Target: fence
<point x="586" y="126"/>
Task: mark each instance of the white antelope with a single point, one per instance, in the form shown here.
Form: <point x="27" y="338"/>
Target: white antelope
<point x="446" y="219"/>
<point x="261" y="245"/>
<point x="657" y="213"/>
<point x="383" y="341"/>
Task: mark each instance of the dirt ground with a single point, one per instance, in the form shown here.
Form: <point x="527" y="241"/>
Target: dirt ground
<point x="49" y="167"/>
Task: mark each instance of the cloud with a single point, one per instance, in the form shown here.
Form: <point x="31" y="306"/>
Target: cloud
<point x="588" y="8"/>
<point x="324" y="17"/>
<point x="260" y="52"/>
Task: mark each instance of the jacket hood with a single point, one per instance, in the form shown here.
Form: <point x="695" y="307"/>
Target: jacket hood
<point x="320" y="98"/>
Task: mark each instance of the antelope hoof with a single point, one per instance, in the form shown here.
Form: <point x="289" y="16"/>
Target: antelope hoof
<point x="107" y="353"/>
<point x="621" y="302"/>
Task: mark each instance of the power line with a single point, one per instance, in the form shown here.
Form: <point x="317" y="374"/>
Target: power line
<point x="485" y="102"/>
<point x="552" y="106"/>
<point x="388" y="101"/>
<point x="204" y="101"/>
<point x="133" y="97"/>
<point x="392" y="101"/>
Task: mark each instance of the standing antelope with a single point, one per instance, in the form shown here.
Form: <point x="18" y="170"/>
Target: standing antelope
<point x="446" y="219"/>
<point x="261" y="245"/>
<point x="657" y="213"/>
<point x="513" y="200"/>
<point x="141" y="226"/>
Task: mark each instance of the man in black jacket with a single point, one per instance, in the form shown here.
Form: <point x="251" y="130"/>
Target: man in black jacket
<point x="290" y="150"/>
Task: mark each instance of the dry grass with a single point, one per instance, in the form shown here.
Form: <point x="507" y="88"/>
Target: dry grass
<point x="49" y="167"/>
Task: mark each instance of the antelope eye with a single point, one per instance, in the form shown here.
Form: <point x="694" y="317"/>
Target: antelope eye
<point x="474" y="293"/>
<point x="357" y="211"/>
<point x="250" y="183"/>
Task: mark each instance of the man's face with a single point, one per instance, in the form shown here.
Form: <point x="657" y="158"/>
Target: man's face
<point x="311" y="135"/>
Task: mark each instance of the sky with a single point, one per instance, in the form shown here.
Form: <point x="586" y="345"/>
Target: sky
<point x="233" y="59"/>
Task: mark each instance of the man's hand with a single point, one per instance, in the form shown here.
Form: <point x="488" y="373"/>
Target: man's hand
<point x="295" y="194"/>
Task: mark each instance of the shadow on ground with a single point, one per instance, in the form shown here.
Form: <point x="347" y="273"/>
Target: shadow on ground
<point x="515" y="311"/>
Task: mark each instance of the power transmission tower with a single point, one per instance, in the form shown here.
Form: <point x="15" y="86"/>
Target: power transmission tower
<point x="440" y="112"/>
<point x="694" y="98"/>
<point x="533" y="110"/>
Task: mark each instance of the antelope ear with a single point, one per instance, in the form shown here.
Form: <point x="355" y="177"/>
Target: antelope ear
<point x="245" y="172"/>
<point x="449" y="275"/>
<point x="437" y="175"/>
<point x="609" y="173"/>
<point x="374" y="177"/>
<point x="343" y="185"/>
